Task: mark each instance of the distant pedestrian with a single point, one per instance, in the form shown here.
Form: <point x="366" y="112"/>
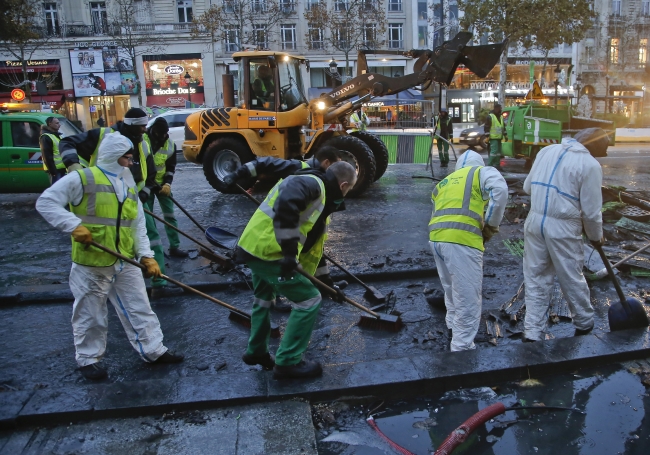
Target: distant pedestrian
<point x="49" y="141"/>
<point x="565" y="188"/>
<point x="459" y="227"/>
<point x="445" y="129"/>
<point x="389" y="117"/>
<point x="495" y="126"/>
<point x="101" y="122"/>
<point x="104" y="207"/>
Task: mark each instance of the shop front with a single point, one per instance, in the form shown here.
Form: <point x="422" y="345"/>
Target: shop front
<point x="46" y="83"/>
<point x="463" y="105"/>
<point x="174" y="80"/>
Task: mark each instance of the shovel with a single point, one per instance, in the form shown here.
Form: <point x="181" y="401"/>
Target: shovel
<point x="371" y="293"/>
<point x="186" y="213"/>
<point x="240" y="316"/>
<point x="629" y="314"/>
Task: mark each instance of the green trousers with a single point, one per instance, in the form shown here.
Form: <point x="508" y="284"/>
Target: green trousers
<point x="167" y="207"/>
<point x="495" y="152"/>
<point x="443" y="151"/>
<point x="305" y="300"/>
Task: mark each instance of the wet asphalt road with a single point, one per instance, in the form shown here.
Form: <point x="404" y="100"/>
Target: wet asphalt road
<point x="389" y="221"/>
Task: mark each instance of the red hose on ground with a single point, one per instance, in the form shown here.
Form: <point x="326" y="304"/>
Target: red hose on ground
<point x="400" y="449"/>
<point x="460" y="434"/>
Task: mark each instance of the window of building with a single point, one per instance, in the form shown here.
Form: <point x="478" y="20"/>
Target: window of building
<point x="394" y="5"/>
<point x="261" y="36"/>
<point x="232" y="39"/>
<point x="616" y="7"/>
<point x="142" y="11"/>
<point x="342" y="38"/>
<point x="259" y="6"/>
<point x="643" y="51"/>
<point x="184" y="10"/>
<point x="99" y="17"/>
<point x="228" y="6"/>
<point x="316" y="38"/>
<point x="423" y="35"/>
<point x="288" y="35"/>
<point x="51" y="18"/>
<point x="370" y="36"/>
<point x="309" y="4"/>
<point x="613" y="50"/>
<point x="395" y="36"/>
<point x="422" y="10"/>
<point x="341" y="5"/>
<point x="288" y="6"/>
<point x="369" y="5"/>
<point x="645" y="8"/>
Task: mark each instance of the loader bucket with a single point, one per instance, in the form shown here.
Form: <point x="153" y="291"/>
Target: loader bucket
<point x="479" y="59"/>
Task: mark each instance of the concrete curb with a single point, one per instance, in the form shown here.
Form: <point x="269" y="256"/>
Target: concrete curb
<point x="402" y="377"/>
<point x="56" y="293"/>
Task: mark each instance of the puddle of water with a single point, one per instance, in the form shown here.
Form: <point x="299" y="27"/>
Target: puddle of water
<point x="614" y="400"/>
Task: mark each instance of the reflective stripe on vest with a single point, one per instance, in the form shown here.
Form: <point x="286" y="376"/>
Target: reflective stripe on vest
<point x="108" y="221"/>
<point x="160" y="159"/>
<point x="459" y="206"/>
<point x="58" y="161"/>
<point x="496" y="129"/>
<point x="260" y="239"/>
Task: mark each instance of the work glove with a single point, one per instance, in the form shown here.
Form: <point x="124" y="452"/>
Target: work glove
<point x="230" y="179"/>
<point x="74" y="167"/>
<point x="153" y="269"/>
<point x="143" y="195"/>
<point x="288" y="265"/>
<point x="242" y="172"/>
<point x="488" y="232"/>
<point x="166" y="190"/>
<point x="81" y="234"/>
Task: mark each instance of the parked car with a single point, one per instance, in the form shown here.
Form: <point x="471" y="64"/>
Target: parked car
<point x="21" y="165"/>
<point x="176" y="121"/>
<point x="474" y="137"/>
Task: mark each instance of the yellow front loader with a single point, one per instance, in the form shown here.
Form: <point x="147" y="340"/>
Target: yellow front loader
<point x="272" y="116"/>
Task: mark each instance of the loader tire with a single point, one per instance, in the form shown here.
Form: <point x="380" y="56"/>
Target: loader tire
<point x="358" y="154"/>
<point x="378" y="148"/>
<point x="223" y="156"/>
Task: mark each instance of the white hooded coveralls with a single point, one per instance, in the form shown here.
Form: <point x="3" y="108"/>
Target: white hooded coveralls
<point x="565" y="187"/>
<point x="122" y="283"/>
<point x="460" y="267"/>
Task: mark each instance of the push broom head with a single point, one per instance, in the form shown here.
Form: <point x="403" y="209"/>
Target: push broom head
<point x="382" y="322"/>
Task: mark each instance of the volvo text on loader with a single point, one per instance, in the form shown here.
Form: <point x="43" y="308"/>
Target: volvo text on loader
<point x="274" y="118"/>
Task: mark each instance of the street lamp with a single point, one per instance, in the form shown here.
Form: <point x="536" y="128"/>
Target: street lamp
<point x="188" y="78"/>
<point x="557" y="72"/>
<point x="397" y="122"/>
<point x="334" y="70"/>
<point x="578" y="87"/>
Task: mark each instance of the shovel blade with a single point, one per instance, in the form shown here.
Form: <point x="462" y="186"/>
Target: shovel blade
<point x="622" y="319"/>
<point x="221" y="238"/>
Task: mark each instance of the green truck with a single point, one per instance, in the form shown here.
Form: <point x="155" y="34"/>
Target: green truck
<point x="21" y="165"/>
<point x="533" y="126"/>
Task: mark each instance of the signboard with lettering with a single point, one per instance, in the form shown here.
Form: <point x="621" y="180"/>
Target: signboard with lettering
<point x="99" y="72"/>
<point x="174" y="69"/>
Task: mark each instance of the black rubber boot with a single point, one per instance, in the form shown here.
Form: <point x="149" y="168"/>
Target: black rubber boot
<point x="580" y="332"/>
<point x="267" y="361"/>
<point x="94" y="371"/>
<point x="303" y="369"/>
<point x="170" y="357"/>
<point x="178" y="253"/>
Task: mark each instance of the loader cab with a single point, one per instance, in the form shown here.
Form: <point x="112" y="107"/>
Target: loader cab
<point x="271" y="82"/>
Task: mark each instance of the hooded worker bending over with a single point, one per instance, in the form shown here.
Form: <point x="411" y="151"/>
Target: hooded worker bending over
<point x="458" y="229"/>
<point x="104" y="207"/>
<point x="277" y="168"/>
<point x="290" y="218"/>
<point x="565" y="187"/>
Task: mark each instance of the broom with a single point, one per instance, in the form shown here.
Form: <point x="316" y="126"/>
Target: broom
<point x="240" y="316"/>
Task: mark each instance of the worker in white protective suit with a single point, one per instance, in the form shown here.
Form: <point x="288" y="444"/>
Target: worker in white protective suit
<point x="104" y="207"/>
<point x="459" y="227"/>
<point x="565" y="187"/>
